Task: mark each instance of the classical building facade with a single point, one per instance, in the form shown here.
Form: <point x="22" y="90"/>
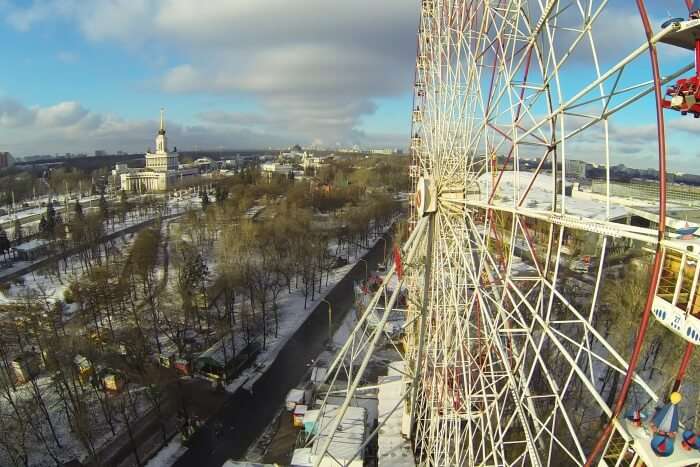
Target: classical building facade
<point x="6" y="160"/>
<point x="162" y="168"/>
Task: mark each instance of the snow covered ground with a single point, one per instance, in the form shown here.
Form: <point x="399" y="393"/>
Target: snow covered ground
<point x="45" y="284"/>
<point x="169" y="454"/>
<point x="71" y="446"/>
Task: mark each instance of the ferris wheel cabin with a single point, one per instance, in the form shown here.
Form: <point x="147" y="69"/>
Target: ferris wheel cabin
<point x="677" y="302"/>
<point x="684" y="95"/>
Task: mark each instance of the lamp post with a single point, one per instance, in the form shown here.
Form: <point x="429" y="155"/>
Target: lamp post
<point x="330" y="320"/>
<point x="366" y="268"/>
<point x="384" y="255"/>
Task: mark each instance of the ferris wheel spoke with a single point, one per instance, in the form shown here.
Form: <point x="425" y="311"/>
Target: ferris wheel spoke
<point x="545" y="325"/>
<point x="513" y="356"/>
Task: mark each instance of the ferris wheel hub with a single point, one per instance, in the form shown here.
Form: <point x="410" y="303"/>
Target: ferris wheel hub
<point x="426" y="196"/>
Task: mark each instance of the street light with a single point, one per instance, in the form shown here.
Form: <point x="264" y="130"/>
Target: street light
<point x="366" y="267"/>
<point x="330" y="320"/>
<point x="383" y="256"/>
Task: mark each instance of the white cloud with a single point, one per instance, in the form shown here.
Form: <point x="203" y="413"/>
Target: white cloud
<point x="309" y="63"/>
<point x="70" y="127"/>
<point x="13" y="114"/>
<point x="316" y="67"/>
<point x="60" y="115"/>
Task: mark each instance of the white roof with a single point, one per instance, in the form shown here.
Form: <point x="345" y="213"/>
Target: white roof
<point x="31" y="245"/>
<point x="311" y="415"/>
<point x="394" y="449"/>
<point x="302" y="458"/>
<point x="217" y="352"/>
<point x="349" y="437"/>
<point x="540" y="196"/>
<point x="318" y="373"/>
<point x="295" y="395"/>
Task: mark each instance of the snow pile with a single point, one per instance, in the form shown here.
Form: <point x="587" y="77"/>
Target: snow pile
<point x="167" y="456"/>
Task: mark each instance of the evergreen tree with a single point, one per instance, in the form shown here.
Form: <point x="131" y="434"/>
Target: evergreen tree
<point x="50" y="219"/>
<point x="205" y="199"/>
<point x="104" y="207"/>
<point x="4" y="242"/>
<point x="19" y="235"/>
<point x="123" y="205"/>
<point x="221" y="195"/>
<point x="43" y="226"/>
<point x="78" y="211"/>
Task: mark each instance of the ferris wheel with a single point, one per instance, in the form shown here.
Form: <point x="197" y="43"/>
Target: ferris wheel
<point x="513" y="355"/>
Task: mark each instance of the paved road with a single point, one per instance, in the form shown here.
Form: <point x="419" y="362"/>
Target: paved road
<point x="245" y="416"/>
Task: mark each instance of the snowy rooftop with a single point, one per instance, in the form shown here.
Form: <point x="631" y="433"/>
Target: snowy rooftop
<point x="301" y="458"/>
<point x="349" y="436"/>
<point x="223" y="351"/>
<point x="394" y="449"/>
<point x="513" y="185"/>
<point x="31" y="245"/>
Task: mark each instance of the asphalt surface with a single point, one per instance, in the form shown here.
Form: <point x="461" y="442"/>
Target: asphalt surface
<point x="244" y="416"/>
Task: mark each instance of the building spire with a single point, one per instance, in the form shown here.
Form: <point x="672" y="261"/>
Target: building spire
<point x="161" y="131"/>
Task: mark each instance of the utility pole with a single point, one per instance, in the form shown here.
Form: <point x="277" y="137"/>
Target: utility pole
<point x="330" y="320"/>
<point x="366" y="268"/>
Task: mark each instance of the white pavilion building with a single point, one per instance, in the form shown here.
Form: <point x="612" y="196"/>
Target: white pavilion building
<point x="162" y="168"/>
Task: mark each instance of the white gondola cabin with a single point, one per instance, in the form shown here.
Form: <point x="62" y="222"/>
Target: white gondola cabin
<point x="422" y="62"/>
<point x="676" y="303"/>
<point x="429" y="8"/>
<point x="416" y="142"/>
<point x="417" y="115"/>
<point x="420" y="88"/>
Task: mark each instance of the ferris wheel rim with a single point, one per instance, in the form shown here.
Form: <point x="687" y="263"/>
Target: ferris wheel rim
<point x="656" y="268"/>
<point x="662" y="164"/>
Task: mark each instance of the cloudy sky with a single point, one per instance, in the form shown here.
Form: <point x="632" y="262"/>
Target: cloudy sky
<point x="80" y="75"/>
<point x="83" y="75"/>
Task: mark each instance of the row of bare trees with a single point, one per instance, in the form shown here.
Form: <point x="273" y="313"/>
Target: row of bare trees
<point x="216" y="273"/>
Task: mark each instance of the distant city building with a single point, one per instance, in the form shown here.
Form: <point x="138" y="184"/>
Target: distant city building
<point x="354" y="149"/>
<point x="204" y="163"/>
<point x="576" y="169"/>
<point x="162" y="168"/>
<point x="6" y="160"/>
<point x="291" y="155"/>
<point x="274" y="168"/>
<point x="100" y="153"/>
<point x="310" y="161"/>
<point x="649" y="191"/>
<point x="385" y="151"/>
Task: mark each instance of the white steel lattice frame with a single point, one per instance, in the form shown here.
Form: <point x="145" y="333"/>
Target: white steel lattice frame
<point x="496" y="356"/>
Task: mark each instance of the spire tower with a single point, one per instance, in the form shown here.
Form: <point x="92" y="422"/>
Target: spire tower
<point x="161" y="131"/>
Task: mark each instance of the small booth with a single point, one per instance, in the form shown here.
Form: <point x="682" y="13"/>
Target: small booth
<point x="26" y="366"/>
<point x="298" y="416"/>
